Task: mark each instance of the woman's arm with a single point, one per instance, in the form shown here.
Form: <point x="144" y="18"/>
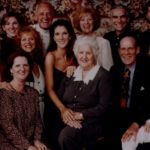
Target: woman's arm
<point x="5" y="85"/>
<point x="49" y="65"/>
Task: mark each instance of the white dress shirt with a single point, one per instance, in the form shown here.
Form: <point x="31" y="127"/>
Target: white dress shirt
<point x="45" y="36"/>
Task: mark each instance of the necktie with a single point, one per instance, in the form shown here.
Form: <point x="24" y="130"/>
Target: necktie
<point x="125" y="88"/>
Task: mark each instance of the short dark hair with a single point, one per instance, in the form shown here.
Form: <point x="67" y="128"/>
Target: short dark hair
<point x="121" y="7"/>
<point x="10" y="62"/>
<point x="21" y="54"/>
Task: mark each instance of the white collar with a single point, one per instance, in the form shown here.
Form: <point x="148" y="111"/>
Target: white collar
<point x="90" y="75"/>
<point x="38" y="28"/>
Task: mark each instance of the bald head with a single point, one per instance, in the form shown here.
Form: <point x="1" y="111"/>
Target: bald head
<point x="128" y="50"/>
<point x="129" y="39"/>
<point x="44" y="14"/>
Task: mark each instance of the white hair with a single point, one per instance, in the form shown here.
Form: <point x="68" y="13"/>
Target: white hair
<point x="86" y="40"/>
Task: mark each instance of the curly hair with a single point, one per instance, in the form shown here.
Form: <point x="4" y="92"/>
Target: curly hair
<point x="82" y="11"/>
<point x="37" y="54"/>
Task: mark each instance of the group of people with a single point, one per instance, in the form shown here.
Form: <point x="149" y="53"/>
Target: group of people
<point x="62" y="85"/>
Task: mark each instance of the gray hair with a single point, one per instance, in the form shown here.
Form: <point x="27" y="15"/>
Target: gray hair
<point x="40" y="4"/>
<point x="86" y="40"/>
<point x="120" y="6"/>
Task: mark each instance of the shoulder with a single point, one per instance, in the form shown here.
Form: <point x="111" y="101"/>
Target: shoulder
<point x="143" y="62"/>
<point x="3" y="37"/>
<point x="117" y="68"/>
<point x="31" y="90"/>
<point x="5" y="95"/>
<point x="102" y="40"/>
<point x="109" y="34"/>
<point x="102" y="73"/>
<point x="3" y="91"/>
<point x="50" y="57"/>
<point x="34" y="26"/>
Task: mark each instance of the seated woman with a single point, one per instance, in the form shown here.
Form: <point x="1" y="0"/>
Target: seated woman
<point x="86" y="21"/>
<point x="58" y="59"/>
<point x="19" y="114"/>
<point x="88" y="96"/>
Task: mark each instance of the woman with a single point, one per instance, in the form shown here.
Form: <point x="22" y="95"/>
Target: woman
<point x="31" y="43"/>
<point x="10" y="24"/>
<point x="86" y="21"/>
<point x="85" y="95"/>
<point x="19" y="116"/>
<point x="57" y="60"/>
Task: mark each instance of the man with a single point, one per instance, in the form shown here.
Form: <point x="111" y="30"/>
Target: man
<point x="44" y="15"/>
<point x="132" y="111"/>
<point x="120" y="22"/>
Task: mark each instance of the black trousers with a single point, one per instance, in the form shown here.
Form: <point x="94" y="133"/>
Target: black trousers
<point x="145" y="146"/>
<point x="75" y="139"/>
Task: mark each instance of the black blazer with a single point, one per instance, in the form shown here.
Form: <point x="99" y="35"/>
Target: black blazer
<point x="139" y="110"/>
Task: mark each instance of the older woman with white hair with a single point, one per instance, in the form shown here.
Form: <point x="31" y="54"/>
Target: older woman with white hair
<point x="88" y="94"/>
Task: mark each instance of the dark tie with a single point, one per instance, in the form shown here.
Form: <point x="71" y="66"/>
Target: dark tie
<point x="125" y="88"/>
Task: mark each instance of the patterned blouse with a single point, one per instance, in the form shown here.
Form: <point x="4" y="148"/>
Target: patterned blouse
<point x="20" y="122"/>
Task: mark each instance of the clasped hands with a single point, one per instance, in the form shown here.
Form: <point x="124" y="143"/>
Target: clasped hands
<point x="133" y="130"/>
<point x="71" y="118"/>
<point x="37" y="146"/>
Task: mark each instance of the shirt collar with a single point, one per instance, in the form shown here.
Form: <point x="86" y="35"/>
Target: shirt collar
<point x="41" y="30"/>
<point x="132" y="68"/>
<point x="90" y="75"/>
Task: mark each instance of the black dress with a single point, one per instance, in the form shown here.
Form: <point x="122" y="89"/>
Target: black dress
<point x="52" y="118"/>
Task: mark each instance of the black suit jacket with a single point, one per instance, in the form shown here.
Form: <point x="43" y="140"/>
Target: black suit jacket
<point x="139" y="110"/>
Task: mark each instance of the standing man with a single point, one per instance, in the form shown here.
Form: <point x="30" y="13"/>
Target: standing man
<point x="131" y="104"/>
<point x="44" y="14"/>
<point x="120" y="22"/>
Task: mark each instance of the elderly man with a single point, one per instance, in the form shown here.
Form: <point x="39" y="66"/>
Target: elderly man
<point x="44" y="15"/>
<point x="131" y="93"/>
<point x="120" y="21"/>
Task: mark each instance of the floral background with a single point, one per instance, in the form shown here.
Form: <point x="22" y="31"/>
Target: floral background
<point x="64" y="7"/>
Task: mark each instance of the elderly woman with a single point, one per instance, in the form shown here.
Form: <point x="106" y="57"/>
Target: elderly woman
<point x="86" y="21"/>
<point x="20" y="124"/>
<point x="85" y="94"/>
